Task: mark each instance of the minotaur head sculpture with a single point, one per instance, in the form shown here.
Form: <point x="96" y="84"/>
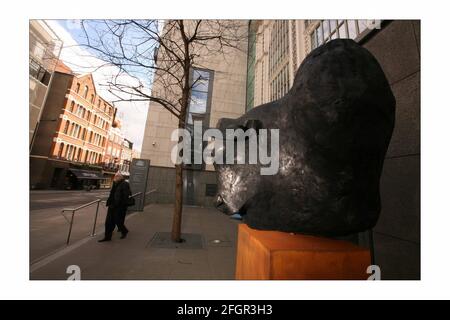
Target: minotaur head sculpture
<point x="335" y="124"/>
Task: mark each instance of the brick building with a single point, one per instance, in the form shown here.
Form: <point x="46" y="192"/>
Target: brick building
<point x="113" y="150"/>
<point x="70" y="143"/>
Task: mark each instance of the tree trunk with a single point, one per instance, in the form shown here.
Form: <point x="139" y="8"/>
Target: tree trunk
<point x="176" y="223"/>
<point x="178" y="209"/>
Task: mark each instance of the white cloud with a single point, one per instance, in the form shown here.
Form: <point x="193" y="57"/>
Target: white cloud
<point x="133" y="114"/>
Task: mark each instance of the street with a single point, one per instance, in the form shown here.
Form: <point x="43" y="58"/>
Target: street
<point x="63" y="199"/>
<point x="49" y="228"/>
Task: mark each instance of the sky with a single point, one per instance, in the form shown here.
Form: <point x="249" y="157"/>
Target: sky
<point x="133" y="114"/>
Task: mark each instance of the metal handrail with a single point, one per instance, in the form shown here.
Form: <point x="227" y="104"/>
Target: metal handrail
<point x="73" y="210"/>
<point x="82" y="206"/>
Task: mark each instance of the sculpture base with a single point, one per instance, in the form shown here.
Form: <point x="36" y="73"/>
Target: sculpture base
<point x="273" y="255"/>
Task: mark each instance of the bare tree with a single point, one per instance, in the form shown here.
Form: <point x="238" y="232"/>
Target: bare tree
<point x="161" y="54"/>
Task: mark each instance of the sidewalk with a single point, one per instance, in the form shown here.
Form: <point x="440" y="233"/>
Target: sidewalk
<point x="134" y="258"/>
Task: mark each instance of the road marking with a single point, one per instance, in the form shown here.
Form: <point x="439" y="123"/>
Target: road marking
<point x="41" y="262"/>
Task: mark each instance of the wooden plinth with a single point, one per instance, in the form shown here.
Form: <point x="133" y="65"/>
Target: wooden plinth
<point x="273" y="255"/>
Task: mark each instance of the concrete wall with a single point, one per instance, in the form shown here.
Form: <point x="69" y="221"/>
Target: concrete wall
<point x="36" y="96"/>
<point x="163" y="180"/>
<point x="397" y="234"/>
<point x="44" y="45"/>
<point x="227" y="101"/>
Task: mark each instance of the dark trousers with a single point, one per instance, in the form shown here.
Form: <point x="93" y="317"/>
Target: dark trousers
<point x="115" y="217"/>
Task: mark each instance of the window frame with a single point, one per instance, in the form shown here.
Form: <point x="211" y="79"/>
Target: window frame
<point x="315" y="42"/>
<point x="206" y="115"/>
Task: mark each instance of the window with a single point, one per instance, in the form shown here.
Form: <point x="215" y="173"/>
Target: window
<point x="85" y="92"/>
<point x="251" y="66"/>
<point x="279" y="59"/>
<point x="77" y="90"/>
<point x="327" y="30"/>
<point x="79" y="155"/>
<point x="60" y="151"/>
<point x="70" y="132"/>
<point x="199" y="108"/>
<point x="69" y="153"/>
<point x="66" y="127"/>
<point x="76" y="130"/>
<point x="92" y="98"/>
<point x="39" y="72"/>
<point x="72" y="106"/>
<point x="199" y="94"/>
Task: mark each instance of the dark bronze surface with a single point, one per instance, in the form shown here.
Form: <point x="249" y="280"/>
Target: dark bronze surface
<point x="335" y="126"/>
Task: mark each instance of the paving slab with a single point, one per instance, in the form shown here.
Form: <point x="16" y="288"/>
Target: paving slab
<point x="134" y="258"/>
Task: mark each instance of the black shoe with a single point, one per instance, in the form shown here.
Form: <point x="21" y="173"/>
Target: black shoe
<point x="104" y="240"/>
<point x="124" y="235"/>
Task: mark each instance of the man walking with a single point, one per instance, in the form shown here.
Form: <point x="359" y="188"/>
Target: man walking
<point x="117" y="203"/>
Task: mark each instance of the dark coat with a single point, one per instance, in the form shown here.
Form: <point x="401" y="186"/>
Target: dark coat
<point x="119" y="195"/>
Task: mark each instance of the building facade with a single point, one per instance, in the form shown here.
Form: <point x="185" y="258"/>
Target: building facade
<point x="44" y="50"/>
<point x="276" y="50"/>
<point x="113" y="151"/>
<point x="277" y="47"/>
<point x="126" y="157"/>
<point x="135" y="154"/>
<point x="219" y="93"/>
<point x="70" y="143"/>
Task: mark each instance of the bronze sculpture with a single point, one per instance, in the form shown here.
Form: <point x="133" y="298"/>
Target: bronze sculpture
<point x="334" y="125"/>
